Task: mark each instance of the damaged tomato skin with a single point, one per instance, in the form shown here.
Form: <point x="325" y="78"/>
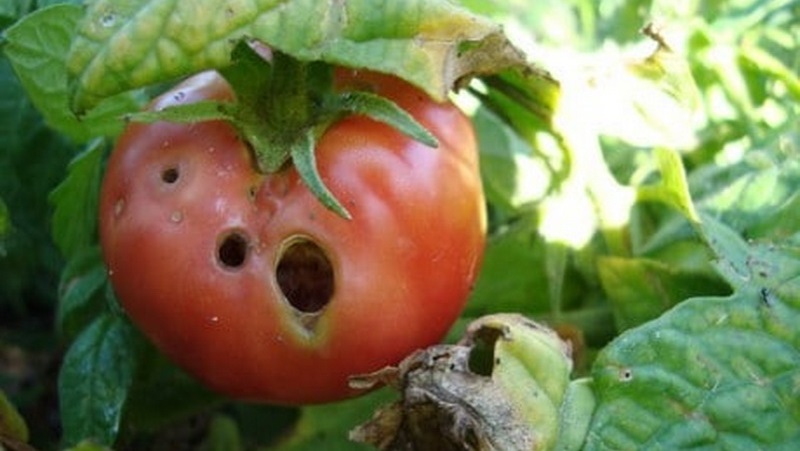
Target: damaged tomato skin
<point x="403" y="265"/>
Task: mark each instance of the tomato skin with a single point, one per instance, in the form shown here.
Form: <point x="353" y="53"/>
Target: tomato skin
<point x="402" y="267"/>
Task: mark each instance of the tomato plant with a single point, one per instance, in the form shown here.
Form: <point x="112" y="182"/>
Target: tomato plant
<point x="253" y="285"/>
<point x="639" y="162"/>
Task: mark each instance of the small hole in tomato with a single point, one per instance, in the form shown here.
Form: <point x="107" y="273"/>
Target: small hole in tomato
<point x="232" y="250"/>
<point x="305" y="275"/>
<point x="170" y="175"/>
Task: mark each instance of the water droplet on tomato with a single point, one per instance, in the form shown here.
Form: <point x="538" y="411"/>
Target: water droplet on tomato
<point x="176" y="217"/>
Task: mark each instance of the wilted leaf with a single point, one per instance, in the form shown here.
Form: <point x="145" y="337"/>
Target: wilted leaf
<point x="504" y="386"/>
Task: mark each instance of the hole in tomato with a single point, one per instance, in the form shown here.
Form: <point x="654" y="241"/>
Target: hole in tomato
<point x="305" y="275"/>
<point x="232" y="250"/>
<point x="170" y="175"/>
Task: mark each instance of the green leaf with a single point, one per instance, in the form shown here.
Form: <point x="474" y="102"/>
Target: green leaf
<point x="527" y="101"/>
<point x="37" y="47"/>
<point x="770" y="65"/>
<point x="11" y="10"/>
<point x="721" y="372"/>
<point x="575" y="415"/>
<point x="761" y="265"/>
<point x="302" y="152"/>
<point x="93" y="384"/>
<point x="179" y="395"/>
<point x="88" y="445"/>
<point x="223" y="435"/>
<point x="80" y="291"/>
<point x="431" y="43"/>
<point x="512" y="177"/>
<point x="761" y="200"/>
<point x="32" y="161"/>
<point x="512" y="276"/>
<point x="672" y="189"/>
<point x="326" y="426"/>
<point x="75" y="201"/>
<point x="641" y="289"/>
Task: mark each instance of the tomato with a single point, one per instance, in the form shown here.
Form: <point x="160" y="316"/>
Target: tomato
<point x="249" y="283"/>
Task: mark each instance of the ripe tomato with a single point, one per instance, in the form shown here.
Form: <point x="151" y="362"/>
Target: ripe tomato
<point x="248" y="282"/>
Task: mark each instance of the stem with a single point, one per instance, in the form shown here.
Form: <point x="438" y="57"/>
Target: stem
<point x="288" y="97"/>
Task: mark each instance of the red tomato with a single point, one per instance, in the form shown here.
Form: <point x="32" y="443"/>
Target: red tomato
<point x="248" y="282"/>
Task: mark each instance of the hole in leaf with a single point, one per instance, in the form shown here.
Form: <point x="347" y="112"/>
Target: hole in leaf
<point x="305" y="275"/>
<point x="232" y="250"/>
<point x="170" y="175"/>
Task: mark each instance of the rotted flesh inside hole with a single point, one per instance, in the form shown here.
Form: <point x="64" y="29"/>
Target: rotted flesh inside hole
<point x="305" y="275"/>
<point x="232" y="250"/>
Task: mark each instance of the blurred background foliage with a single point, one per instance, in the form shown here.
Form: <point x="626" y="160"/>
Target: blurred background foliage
<point x="574" y="238"/>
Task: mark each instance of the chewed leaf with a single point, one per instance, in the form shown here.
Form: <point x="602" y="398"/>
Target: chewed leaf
<point x="721" y="372"/>
<point x="122" y="45"/>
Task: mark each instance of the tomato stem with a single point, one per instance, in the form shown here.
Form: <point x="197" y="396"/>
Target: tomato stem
<point x="283" y="106"/>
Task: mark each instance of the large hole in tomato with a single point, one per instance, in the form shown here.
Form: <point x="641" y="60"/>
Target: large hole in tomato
<point x="305" y="275"/>
<point x="232" y="250"/>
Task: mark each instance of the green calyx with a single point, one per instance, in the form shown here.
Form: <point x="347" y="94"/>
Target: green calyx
<point x="283" y="107"/>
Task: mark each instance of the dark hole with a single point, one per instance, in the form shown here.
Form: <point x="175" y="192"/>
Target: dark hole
<point x="481" y="357"/>
<point x="232" y="250"/>
<point x="170" y="175"/>
<point x="305" y="276"/>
